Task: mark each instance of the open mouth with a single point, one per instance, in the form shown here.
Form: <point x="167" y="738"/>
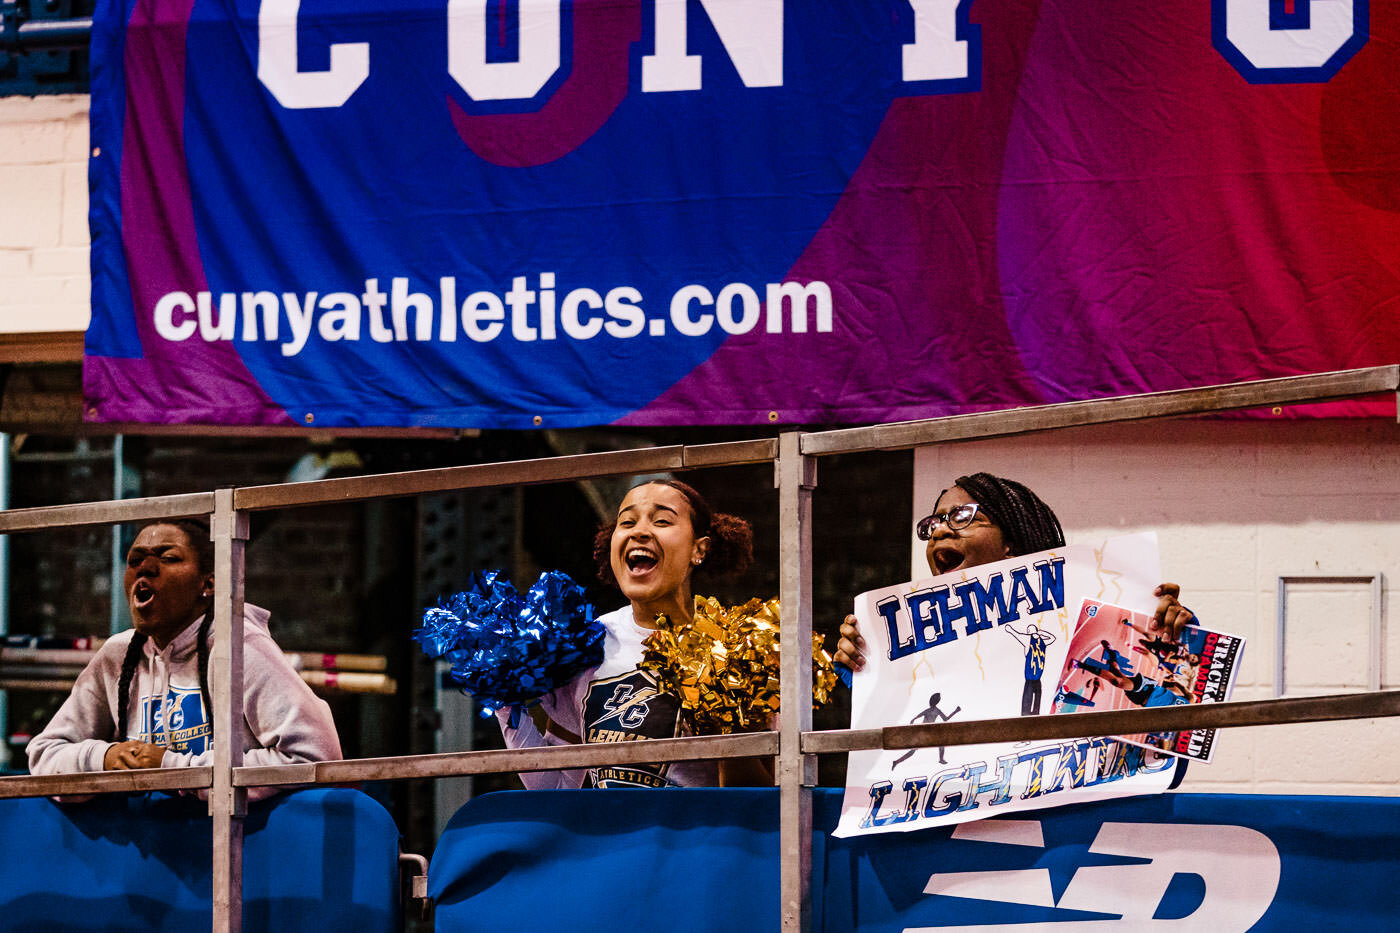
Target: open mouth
<point x="142" y="593"/>
<point x="946" y="559"/>
<point x="640" y="560"/>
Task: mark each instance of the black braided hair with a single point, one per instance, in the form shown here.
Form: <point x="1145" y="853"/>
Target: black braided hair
<point x="197" y="533"/>
<point x="203" y="650"/>
<point x="133" y="655"/>
<point x="1026" y="522"/>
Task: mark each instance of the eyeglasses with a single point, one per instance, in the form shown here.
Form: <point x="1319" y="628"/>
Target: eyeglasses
<point x="956" y="518"/>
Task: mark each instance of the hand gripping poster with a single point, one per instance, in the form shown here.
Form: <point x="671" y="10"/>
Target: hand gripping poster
<point x="988" y="643"/>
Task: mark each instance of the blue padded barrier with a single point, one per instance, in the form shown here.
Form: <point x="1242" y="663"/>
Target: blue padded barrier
<point x="316" y="859"/>
<point x="674" y="860"/>
<point x="706" y="861"/>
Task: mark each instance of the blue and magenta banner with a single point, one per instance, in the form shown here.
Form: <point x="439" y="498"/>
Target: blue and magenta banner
<point x="521" y="213"/>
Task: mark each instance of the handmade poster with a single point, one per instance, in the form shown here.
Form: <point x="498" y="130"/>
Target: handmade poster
<point x="1117" y="661"/>
<point x="985" y="643"/>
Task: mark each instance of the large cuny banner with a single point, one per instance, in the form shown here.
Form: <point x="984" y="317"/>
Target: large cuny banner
<point x="517" y="213"/>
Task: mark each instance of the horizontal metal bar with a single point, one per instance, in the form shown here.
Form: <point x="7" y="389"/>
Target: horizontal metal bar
<point x="106" y="513"/>
<point x="107" y="782"/>
<point x="270" y="430"/>
<point x="695" y="748"/>
<point x="730" y="453"/>
<point x="417" y="482"/>
<point x="1111" y="722"/>
<point x="833" y="741"/>
<point x="1231" y="397"/>
<point x="517" y="472"/>
<point x="47" y="35"/>
<point x="759" y="744"/>
<point x="676" y="457"/>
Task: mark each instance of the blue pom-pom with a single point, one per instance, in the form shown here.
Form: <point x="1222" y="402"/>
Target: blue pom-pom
<point x="508" y="650"/>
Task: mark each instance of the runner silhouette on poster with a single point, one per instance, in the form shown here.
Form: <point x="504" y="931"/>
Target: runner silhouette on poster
<point x="930" y="715"/>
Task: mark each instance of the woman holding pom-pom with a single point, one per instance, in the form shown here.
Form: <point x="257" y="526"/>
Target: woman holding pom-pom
<point x="664" y="534"/>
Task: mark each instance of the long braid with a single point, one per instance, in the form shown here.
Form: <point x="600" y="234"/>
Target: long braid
<point x="203" y="650"/>
<point x="1027" y="523"/>
<point x="129" y="662"/>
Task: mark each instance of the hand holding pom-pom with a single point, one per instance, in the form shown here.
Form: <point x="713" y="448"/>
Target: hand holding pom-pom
<point x="506" y="650"/>
<point x="724" y="665"/>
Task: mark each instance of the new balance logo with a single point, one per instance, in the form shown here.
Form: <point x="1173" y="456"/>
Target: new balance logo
<point x="1239" y="867"/>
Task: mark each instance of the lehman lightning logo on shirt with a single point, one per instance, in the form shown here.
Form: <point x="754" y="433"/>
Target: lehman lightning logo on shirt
<point x="187" y="722"/>
<point x="627" y="708"/>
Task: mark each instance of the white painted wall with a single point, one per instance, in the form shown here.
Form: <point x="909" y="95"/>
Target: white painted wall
<point x="44" y="281"/>
<point x="1235" y="505"/>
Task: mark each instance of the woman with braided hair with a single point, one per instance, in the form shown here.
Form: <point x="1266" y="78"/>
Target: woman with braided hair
<point x="983" y="518"/>
<point x="143" y="701"/>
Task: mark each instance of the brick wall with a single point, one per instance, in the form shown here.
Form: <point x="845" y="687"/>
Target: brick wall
<point x="44" y="280"/>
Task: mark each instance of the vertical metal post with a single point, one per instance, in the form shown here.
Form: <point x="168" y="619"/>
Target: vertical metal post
<point x="4" y="594"/>
<point x="1377" y="652"/>
<point x="796" y="773"/>
<point x="227" y="804"/>
<point x="116" y="620"/>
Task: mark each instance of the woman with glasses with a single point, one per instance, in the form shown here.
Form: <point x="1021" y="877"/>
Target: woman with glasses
<point x="984" y="518"/>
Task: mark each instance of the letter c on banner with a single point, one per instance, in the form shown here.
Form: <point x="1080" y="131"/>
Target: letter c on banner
<point x="165" y="317"/>
<point x="700" y="324"/>
<point x="1268" y="45"/>
<point x="277" y="62"/>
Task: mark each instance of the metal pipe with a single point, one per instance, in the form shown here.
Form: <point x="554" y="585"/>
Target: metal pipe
<point x="107" y="782"/>
<point x="758" y="744"/>
<point x="46" y="35"/>
<point x="519" y="472"/>
<point x="5" y="465"/>
<point x="116" y="617"/>
<point x="1289" y="710"/>
<point x="796" y="771"/>
<point x="104" y="513"/>
<point x="664" y="459"/>
<point x="834" y="741"/>
<point x="1232" y="397"/>
<point x="228" y="803"/>
<point x="498" y="761"/>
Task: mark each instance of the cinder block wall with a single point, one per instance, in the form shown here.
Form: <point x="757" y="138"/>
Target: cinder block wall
<point x="1237" y="504"/>
<point x="44" y="281"/>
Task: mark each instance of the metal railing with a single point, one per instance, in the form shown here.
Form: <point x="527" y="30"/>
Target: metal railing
<point x="794" y="746"/>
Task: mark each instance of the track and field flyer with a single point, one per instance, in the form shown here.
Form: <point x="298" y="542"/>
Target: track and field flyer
<point x="987" y="643"/>
<point x="1117" y="661"/>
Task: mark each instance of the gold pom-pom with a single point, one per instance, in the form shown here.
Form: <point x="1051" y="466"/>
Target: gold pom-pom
<point x="724" y="664"/>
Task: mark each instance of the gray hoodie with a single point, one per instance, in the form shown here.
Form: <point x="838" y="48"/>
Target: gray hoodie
<point x="283" y="721"/>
